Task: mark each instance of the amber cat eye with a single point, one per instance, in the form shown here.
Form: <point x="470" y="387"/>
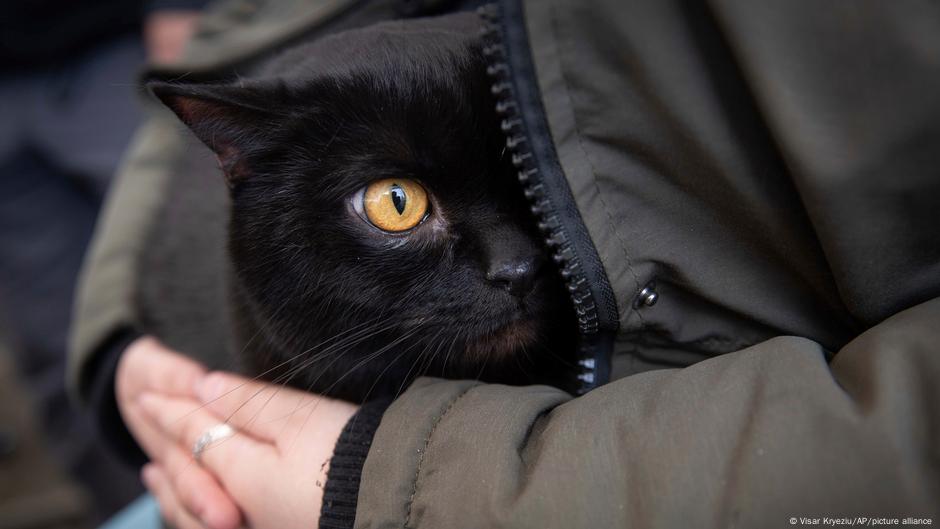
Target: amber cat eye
<point x="395" y="204"/>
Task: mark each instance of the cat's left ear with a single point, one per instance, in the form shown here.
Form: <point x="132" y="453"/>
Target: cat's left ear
<point x="226" y="118"/>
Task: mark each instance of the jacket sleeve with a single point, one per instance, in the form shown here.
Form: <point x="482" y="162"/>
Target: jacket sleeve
<point x="748" y="439"/>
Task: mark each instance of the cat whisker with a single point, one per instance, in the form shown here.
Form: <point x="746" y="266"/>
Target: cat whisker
<point x="292" y="371"/>
<point x="486" y="360"/>
<point x="525" y="354"/>
<point x="362" y="362"/>
<point x="282" y="380"/>
<point x="447" y="356"/>
<point x="345" y="343"/>
<point x="387" y="367"/>
<point x="374" y="383"/>
<point x="372" y="356"/>
<point x="408" y="374"/>
<point x="432" y="356"/>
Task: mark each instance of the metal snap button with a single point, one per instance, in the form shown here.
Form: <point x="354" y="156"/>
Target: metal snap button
<point x="648" y="296"/>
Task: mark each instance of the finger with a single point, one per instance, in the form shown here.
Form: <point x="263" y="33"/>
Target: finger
<point x="163" y="369"/>
<point x="199" y="492"/>
<point x="146" y="432"/>
<point x="184" y="421"/>
<point x="263" y="410"/>
<point x="157" y="482"/>
<point x="193" y="487"/>
<point x="159" y="430"/>
<point x="234" y="462"/>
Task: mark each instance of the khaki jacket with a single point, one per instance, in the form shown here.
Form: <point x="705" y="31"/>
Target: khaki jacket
<point x="747" y="196"/>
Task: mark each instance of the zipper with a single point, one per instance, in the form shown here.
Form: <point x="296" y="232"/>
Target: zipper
<point x="548" y="193"/>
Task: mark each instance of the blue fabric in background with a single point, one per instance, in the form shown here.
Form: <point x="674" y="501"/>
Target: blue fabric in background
<point x="143" y="513"/>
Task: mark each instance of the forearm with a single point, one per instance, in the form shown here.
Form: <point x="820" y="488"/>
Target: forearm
<point x="752" y="437"/>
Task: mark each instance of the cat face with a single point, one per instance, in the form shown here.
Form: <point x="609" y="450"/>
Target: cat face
<point x="378" y="231"/>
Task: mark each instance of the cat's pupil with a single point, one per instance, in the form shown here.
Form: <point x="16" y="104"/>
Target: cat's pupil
<point x="399" y="198"/>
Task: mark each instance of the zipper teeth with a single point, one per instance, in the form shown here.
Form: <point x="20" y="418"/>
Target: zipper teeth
<point x="541" y="206"/>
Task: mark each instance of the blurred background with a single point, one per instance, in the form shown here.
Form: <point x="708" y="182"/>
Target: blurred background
<point x="69" y="101"/>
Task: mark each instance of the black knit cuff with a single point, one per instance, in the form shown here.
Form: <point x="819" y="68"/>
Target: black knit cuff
<point x="102" y="402"/>
<point x="341" y="491"/>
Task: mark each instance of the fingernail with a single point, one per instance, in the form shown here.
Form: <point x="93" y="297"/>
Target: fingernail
<point x="210" y="387"/>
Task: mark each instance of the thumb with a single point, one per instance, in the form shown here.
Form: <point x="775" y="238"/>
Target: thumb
<point x="148" y="365"/>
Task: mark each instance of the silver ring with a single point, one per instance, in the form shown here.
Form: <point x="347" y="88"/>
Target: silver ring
<point x="213" y="435"/>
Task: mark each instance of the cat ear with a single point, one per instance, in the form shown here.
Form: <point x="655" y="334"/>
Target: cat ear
<point x="224" y="117"/>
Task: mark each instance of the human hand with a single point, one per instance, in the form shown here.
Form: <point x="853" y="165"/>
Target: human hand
<point x="166" y="33"/>
<point x="275" y="465"/>
<point x="148" y="367"/>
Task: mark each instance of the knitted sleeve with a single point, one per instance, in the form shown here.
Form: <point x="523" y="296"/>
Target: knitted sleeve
<point x="341" y="491"/>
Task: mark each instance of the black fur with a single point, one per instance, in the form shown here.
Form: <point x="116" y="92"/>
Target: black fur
<point x="327" y="302"/>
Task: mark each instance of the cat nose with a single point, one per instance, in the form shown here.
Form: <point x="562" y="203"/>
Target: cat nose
<point x="515" y="275"/>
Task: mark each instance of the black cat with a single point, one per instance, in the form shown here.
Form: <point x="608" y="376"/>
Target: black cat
<point x="377" y="229"/>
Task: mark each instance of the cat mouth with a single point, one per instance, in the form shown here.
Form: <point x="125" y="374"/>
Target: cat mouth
<point x="503" y="341"/>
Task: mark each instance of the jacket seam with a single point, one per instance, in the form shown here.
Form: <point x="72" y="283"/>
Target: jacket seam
<point x="600" y="196"/>
<point x="424" y="451"/>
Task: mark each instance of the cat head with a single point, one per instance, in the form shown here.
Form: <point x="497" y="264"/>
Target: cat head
<point x="378" y="231"/>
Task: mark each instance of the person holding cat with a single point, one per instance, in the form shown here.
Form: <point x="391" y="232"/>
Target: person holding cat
<point x="548" y="264"/>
